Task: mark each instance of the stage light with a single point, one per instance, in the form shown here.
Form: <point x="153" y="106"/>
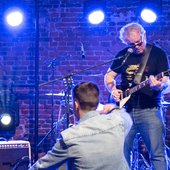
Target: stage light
<point x="14" y="16"/>
<point x="9" y="114"/>
<point x="6" y="119"/>
<point x="148" y="15"/>
<point x="94" y="11"/>
<point x="96" y="17"/>
<point x="150" y="10"/>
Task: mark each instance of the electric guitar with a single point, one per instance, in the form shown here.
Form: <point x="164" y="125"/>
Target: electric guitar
<point x="126" y="94"/>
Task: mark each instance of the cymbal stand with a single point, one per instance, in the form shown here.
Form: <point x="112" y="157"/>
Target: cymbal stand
<point x="135" y="154"/>
<point x="62" y="117"/>
<point x="52" y="65"/>
<point x="68" y="82"/>
<point x="136" y="163"/>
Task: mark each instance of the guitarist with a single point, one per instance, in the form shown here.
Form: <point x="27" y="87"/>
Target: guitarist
<point x="144" y="105"/>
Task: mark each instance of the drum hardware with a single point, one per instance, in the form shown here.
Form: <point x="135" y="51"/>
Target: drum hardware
<point x="69" y="84"/>
<point x="66" y="102"/>
<point x="63" y="108"/>
<point x="52" y="65"/>
<point x="138" y="161"/>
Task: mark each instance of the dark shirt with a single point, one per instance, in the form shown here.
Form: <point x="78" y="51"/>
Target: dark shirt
<point x="157" y="63"/>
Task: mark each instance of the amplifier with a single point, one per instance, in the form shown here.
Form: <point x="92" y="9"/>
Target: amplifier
<point x="15" y="155"/>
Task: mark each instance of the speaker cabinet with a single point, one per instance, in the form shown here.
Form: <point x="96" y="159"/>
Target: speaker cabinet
<point x="15" y="155"/>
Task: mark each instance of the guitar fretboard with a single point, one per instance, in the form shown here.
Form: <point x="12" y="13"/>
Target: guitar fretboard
<point x="141" y="85"/>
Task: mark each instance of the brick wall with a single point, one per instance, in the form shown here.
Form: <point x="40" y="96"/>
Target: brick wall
<point x="62" y="30"/>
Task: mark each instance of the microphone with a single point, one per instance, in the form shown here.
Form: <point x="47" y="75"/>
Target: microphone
<point x="128" y="53"/>
<point x="52" y="63"/>
<point x="82" y="51"/>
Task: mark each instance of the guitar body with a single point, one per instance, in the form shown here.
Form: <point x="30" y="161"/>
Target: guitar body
<point x="124" y="98"/>
<point x="123" y="101"/>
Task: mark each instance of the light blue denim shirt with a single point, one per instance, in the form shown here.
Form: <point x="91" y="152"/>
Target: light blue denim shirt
<point x="96" y="143"/>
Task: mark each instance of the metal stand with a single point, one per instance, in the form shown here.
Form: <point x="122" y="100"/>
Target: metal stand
<point x="62" y="122"/>
<point x="65" y="119"/>
<point x="135" y="154"/>
<point x="52" y="65"/>
<point x="138" y="162"/>
<point x="68" y="82"/>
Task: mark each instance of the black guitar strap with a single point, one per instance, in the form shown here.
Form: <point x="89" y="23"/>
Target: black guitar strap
<point x="142" y="65"/>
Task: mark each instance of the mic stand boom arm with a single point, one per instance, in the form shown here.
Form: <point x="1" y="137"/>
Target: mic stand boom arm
<point x="78" y="72"/>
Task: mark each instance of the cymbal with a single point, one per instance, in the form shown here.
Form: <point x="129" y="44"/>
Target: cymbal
<point x="56" y="94"/>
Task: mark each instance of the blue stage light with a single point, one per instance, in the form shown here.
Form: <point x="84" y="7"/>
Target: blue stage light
<point x="94" y="11"/>
<point x="9" y="114"/>
<point x="14" y="17"/>
<point x="150" y="10"/>
<point x="148" y="15"/>
<point x="5" y="119"/>
<point x="96" y="17"/>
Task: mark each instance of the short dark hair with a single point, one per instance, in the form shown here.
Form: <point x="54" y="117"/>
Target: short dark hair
<point x="87" y="94"/>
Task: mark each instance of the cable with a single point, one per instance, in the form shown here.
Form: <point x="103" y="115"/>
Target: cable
<point x="23" y="161"/>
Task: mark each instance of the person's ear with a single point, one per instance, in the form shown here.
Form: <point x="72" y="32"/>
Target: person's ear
<point x="144" y="37"/>
<point x="76" y="104"/>
<point x="76" y="109"/>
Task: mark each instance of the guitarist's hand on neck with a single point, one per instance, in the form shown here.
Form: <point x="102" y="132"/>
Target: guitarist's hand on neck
<point x="158" y="84"/>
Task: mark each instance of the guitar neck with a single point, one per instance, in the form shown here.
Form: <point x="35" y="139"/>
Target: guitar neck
<point x="141" y="85"/>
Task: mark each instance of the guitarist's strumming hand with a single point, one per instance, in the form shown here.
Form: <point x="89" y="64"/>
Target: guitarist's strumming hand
<point x="117" y="94"/>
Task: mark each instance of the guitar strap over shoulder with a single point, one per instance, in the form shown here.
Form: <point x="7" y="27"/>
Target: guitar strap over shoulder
<point x="142" y="65"/>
